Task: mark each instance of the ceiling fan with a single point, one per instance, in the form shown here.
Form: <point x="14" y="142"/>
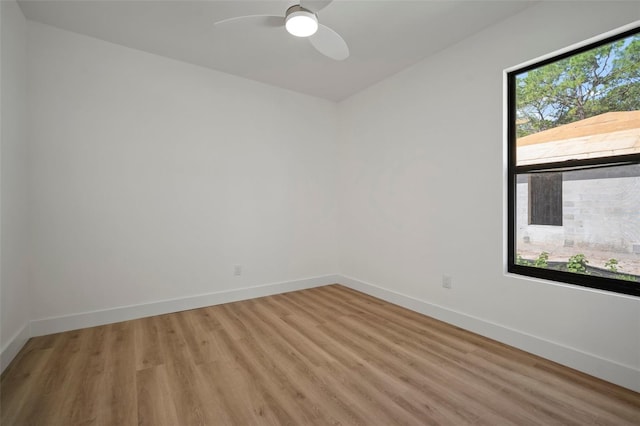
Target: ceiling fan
<point x="301" y="20"/>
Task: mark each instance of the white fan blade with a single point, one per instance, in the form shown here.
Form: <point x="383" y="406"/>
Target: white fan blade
<point x="329" y="43"/>
<point x="315" y="5"/>
<point x="262" y="20"/>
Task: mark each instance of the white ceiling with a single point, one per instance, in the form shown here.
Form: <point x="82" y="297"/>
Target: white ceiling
<point x="384" y="36"/>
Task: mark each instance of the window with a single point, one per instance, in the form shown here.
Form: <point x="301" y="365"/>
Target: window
<point x="574" y="166"/>
<point x="545" y="199"/>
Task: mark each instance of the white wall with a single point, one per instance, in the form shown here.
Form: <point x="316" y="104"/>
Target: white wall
<point x="422" y="191"/>
<point x="151" y="178"/>
<point x="14" y="286"/>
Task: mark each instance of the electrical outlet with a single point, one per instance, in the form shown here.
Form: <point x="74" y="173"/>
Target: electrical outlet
<point x="237" y="270"/>
<point x="446" y="281"/>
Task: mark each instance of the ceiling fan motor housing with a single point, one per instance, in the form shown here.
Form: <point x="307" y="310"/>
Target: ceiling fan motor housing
<point x="301" y="22"/>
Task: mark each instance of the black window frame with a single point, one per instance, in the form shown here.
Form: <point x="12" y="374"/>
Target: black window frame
<point x="513" y="170"/>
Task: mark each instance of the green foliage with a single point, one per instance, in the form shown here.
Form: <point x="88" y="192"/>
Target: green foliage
<point x="626" y="277"/>
<point x="541" y="261"/>
<point x="612" y="265"/>
<point x="600" y="80"/>
<point x="578" y="264"/>
<point x="522" y="261"/>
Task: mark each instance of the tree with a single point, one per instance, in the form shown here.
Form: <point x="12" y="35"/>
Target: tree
<point x="603" y="79"/>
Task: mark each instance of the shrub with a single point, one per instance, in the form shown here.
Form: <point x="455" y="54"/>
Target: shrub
<point x="626" y="277"/>
<point x="612" y="265"/>
<point x="578" y="264"/>
<point x="522" y="261"/>
<point x="541" y="261"/>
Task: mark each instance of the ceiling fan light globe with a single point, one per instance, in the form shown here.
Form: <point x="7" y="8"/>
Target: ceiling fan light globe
<point x="301" y="23"/>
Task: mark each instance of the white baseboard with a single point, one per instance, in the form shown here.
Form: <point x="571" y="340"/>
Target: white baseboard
<point x="51" y="325"/>
<point x="605" y="369"/>
<point x="602" y="368"/>
<point x="14" y="345"/>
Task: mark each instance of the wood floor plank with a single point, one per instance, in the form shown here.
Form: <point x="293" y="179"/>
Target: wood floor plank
<point x="196" y="330"/>
<point x="19" y="390"/>
<point x="148" y="347"/>
<point x="172" y="341"/>
<point x="327" y="355"/>
<point x="90" y="375"/>
<point x="195" y="404"/>
<point x="278" y="368"/>
<point x="301" y="368"/>
<point x="276" y="390"/>
<point x="355" y="362"/>
<point x="390" y="361"/>
<point x="117" y="397"/>
<point x="154" y="396"/>
<point x="61" y="381"/>
<point x="240" y="398"/>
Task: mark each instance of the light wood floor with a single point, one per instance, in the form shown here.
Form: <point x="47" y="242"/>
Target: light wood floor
<point x="325" y="356"/>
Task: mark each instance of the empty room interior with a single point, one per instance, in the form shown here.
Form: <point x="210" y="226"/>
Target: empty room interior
<point x="208" y="219"/>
